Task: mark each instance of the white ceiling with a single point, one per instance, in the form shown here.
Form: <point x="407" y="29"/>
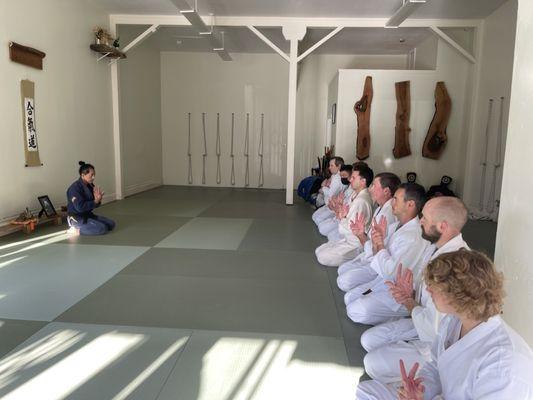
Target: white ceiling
<point x="242" y="40"/>
<point x="348" y="41"/>
<point x="307" y="8"/>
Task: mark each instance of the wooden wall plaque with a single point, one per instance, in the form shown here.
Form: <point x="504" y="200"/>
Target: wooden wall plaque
<point x="403" y="112"/>
<point x="26" y="55"/>
<point x="362" y="110"/>
<point x="436" y="138"/>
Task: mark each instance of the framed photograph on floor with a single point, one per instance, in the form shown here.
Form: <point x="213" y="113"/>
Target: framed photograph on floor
<point x="47" y="206"/>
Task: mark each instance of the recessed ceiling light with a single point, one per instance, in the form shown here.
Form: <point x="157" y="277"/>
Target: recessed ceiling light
<point x="402" y="40"/>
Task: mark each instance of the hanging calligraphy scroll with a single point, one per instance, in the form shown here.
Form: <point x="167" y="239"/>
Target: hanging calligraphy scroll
<point x="31" y="149"/>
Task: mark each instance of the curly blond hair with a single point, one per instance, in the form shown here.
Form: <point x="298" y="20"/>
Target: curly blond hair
<point x="470" y="281"/>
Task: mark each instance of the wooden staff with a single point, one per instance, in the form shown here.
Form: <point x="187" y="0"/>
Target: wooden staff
<point x="189" y="154"/>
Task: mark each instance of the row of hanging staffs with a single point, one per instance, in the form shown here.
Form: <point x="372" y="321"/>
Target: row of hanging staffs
<point x="232" y="155"/>
<point x="497" y="159"/>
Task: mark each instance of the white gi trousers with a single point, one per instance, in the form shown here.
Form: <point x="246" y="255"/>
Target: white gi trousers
<point x="335" y="253"/>
<point x="322" y="214"/>
<point x="387" y="344"/>
<point x="375" y="308"/>
<point x="328" y="225"/>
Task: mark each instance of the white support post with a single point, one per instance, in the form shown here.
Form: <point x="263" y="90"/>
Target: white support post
<point x="139" y="39"/>
<point x="268" y="42"/>
<point x="115" y="104"/>
<point x="453" y="43"/>
<point x="293" y="33"/>
<point x="320" y="43"/>
<point x="472" y="125"/>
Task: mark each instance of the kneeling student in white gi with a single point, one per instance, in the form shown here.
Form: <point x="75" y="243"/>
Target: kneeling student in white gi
<point x="328" y="211"/>
<point x="332" y="185"/>
<point x="410" y="339"/>
<point x="475" y="355"/>
<point x="370" y="302"/>
<point x="330" y="226"/>
<point x="382" y="191"/>
<point x="334" y="253"/>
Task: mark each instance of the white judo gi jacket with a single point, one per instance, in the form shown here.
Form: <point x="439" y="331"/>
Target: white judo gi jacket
<point x="366" y="252"/>
<point x="425" y="317"/>
<point x="491" y="362"/>
<point x="360" y="203"/>
<point x="403" y="245"/>
<point x="334" y="188"/>
<point x="326" y="217"/>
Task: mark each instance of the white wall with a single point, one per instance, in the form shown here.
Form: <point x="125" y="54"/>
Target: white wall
<point x="72" y="95"/>
<point x="193" y="82"/>
<point x="495" y="81"/>
<point x="313" y="108"/>
<point x="515" y="227"/>
<point x="453" y="69"/>
<point x="140" y="116"/>
<point x="426" y="53"/>
<point x="199" y="82"/>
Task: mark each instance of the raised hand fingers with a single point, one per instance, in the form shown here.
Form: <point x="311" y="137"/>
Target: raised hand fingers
<point x="413" y="370"/>
<point x="402" y="371"/>
<point x="399" y="272"/>
<point x="409" y="277"/>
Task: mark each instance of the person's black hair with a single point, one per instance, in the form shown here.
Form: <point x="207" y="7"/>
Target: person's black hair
<point x="85" y="167"/>
<point x="388" y="180"/>
<point x="339" y="161"/>
<point x="347" y="167"/>
<point x="365" y="172"/>
<point x="415" y="192"/>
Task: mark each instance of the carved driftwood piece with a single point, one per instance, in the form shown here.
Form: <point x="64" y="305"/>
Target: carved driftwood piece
<point x="403" y="112"/>
<point x="362" y="110"/>
<point x="436" y="137"/>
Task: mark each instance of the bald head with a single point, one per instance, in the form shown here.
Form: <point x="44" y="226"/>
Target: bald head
<point x="449" y="209"/>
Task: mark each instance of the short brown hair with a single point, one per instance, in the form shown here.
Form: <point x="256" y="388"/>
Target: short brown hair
<point x="470" y="281"/>
<point x="388" y="180"/>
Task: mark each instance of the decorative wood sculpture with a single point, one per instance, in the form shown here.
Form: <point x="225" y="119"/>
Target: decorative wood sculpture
<point x="362" y="110"/>
<point x="436" y="137"/>
<point x="403" y="112"/>
<point x="26" y="55"/>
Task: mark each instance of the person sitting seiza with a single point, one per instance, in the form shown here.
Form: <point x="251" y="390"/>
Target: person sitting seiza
<point x="475" y="355"/>
<point x="410" y="339"/>
<point x="334" y="253"/>
<point x="370" y="302"/>
<point x="358" y="274"/>
<point x="327" y="211"/>
<point x="381" y="190"/>
<point x="82" y="198"/>
<point x="333" y="185"/>
<point x="331" y="224"/>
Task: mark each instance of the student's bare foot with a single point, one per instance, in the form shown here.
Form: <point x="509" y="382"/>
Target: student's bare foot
<point x="73" y="231"/>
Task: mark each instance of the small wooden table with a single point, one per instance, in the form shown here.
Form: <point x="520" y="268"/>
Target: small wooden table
<point x="30" y="225"/>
